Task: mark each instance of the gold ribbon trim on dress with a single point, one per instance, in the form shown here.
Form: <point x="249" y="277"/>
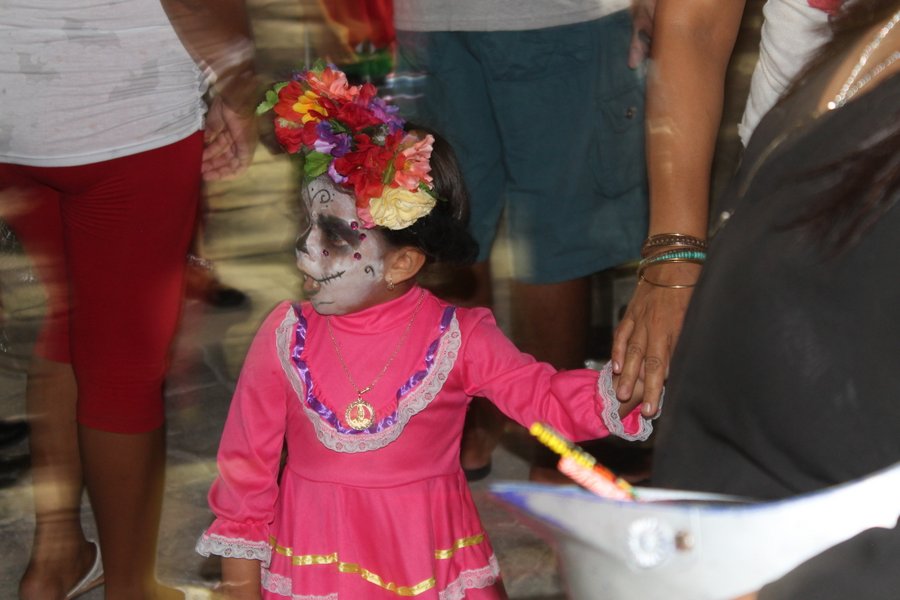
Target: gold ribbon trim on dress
<point x="305" y="560"/>
<point x="458" y="545"/>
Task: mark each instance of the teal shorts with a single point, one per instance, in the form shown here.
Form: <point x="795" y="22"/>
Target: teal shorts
<point x="548" y="126"/>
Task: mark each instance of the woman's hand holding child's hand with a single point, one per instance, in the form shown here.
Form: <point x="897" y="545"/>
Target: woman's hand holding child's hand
<point x="637" y="396"/>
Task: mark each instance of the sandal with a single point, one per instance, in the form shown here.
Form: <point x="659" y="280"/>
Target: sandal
<point x="93" y="578"/>
<point x="478" y="473"/>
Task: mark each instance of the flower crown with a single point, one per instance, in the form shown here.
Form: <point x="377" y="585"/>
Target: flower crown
<point x="356" y="138"/>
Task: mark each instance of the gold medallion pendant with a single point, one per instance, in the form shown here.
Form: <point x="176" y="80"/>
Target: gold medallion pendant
<point x="360" y="414"/>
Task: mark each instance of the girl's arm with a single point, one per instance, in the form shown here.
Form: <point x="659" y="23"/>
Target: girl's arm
<point x="244" y="494"/>
<point x="240" y="579"/>
<point x="581" y="403"/>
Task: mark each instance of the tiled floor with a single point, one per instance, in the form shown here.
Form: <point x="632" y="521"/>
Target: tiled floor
<point x="249" y="234"/>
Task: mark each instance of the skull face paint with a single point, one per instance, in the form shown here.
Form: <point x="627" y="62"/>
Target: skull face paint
<point x="343" y="264"/>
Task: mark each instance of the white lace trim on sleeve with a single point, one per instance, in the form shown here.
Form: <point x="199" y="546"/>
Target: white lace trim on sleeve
<point x="609" y="412"/>
<point x="233" y="548"/>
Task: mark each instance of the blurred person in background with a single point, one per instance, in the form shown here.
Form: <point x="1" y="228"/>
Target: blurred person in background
<point x="102" y="152"/>
<point x="498" y="76"/>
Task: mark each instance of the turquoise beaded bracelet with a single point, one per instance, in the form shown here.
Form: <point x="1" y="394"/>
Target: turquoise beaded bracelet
<point x="670" y="256"/>
<point x="667" y="256"/>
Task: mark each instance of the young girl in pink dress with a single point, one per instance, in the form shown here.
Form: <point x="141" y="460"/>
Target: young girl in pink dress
<point x="365" y="385"/>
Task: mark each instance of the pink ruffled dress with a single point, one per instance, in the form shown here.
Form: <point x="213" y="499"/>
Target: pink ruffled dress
<point x="384" y="512"/>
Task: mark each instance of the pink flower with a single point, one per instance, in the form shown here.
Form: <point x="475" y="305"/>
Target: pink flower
<point x="332" y="83"/>
<point x="365" y="216"/>
<point x="411" y="164"/>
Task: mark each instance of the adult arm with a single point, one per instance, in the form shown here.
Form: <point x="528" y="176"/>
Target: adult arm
<point x="217" y="34"/>
<point x="692" y="44"/>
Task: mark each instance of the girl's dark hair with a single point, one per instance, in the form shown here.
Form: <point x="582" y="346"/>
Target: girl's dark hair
<point x="869" y="174"/>
<point x="442" y="234"/>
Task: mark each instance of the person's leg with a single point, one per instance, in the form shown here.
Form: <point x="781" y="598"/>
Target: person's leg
<point x="567" y="218"/>
<point x="127" y="237"/>
<point x="125" y="475"/>
<point x="60" y="554"/>
<point x="484" y="421"/>
<point x="551" y="322"/>
<point x="456" y="103"/>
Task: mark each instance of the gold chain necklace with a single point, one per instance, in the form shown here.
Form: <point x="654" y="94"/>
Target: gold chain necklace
<point x="361" y="414"/>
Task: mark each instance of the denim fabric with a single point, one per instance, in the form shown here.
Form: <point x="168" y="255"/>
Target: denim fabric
<point x="548" y="126"/>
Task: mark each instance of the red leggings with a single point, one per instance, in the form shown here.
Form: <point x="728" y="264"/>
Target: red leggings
<point x="108" y="241"/>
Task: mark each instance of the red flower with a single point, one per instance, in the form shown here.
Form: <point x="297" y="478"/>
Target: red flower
<point x="355" y="116"/>
<point x="309" y="134"/>
<point x="287" y="97"/>
<point x="364" y="167"/>
<point x="290" y="137"/>
<point x="367" y="91"/>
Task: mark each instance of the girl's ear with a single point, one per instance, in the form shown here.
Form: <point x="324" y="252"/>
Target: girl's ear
<point x="404" y="264"/>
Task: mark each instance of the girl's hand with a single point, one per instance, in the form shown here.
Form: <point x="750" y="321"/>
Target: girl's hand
<point x="637" y="396"/>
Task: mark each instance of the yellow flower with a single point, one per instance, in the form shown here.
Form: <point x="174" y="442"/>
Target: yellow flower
<point x="309" y="102"/>
<point x="398" y="208"/>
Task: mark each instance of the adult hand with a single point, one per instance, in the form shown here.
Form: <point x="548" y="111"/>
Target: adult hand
<point x="642" y="12"/>
<point x="644" y="340"/>
<point x="230" y="139"/>
<point x="747" y="597"/>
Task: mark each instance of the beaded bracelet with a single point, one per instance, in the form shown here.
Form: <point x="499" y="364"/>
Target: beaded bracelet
<point x="662" y="240"/>
<point x="668" y="255"/>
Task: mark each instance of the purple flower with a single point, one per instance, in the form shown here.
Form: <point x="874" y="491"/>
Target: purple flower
<point x="335" y="176"/>
<point x="386" y="113"/>
<point x="343" y="143"/>
<point x="329" y="142"/>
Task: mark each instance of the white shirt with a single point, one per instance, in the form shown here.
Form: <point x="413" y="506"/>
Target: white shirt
<point x="498" y="15"/>
<point x="83" y="81"/>
<point x="791" y="34"/>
